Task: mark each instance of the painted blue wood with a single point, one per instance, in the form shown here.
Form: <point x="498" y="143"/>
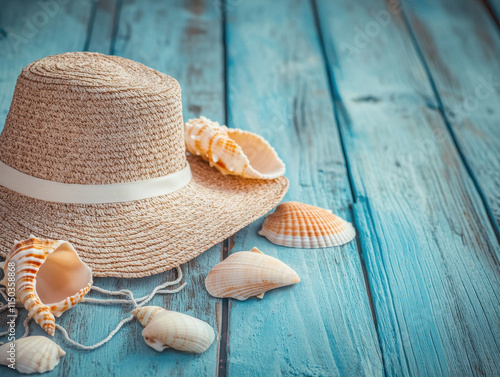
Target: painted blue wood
<point x="143" y="34"/>
<point x="278" y="87"/>
<point x="429" y="247"/>
<point x="466" y="73"/>
<point x="102" y="26"/>
<point x="430" y="252"/>
<point x="30" y="31"/>
<point x="495" y="6"/>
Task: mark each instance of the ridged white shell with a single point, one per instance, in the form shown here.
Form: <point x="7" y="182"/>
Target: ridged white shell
<point x="50" y="278"/>
<point x="232" y="151"/>
<point x="34" y="354"/>
<point x="247" y="274"/>
<point x="146" y="313"/>
<point x="295" y="224"/>
<point x="168" y="329"/>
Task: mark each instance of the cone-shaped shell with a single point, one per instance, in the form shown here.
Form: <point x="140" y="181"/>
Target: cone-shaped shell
<point x="295" y="224"/>
<point x="167" y="329"/>
<point x="146" y="313"/>
<point x="50" y="278"/>
<point x="232" y="151"/>
<point x="34" y="354"/>
<point x="247" y="274"/>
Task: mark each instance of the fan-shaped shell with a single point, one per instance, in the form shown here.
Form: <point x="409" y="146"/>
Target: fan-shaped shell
<point x="247" y="274"/>
<point x="168" y="329"/>
<point x="232" y="151"/>
<point x="34" y="354"/>
<point x="295" y="224"/>
<point x="50" y="278"/>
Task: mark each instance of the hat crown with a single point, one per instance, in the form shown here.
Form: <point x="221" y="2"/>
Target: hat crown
<point x="88" y="118"/>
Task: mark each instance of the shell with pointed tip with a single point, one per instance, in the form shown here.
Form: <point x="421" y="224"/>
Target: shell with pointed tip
<point x="146" y="313"/>
<point x="295" y="224"/>
<point x="247" y="274"/>
<point x="232" y="151"/>
<point x="34" y="354"/>
<point x="50" y="278"/>
<point x="167" y="329"/>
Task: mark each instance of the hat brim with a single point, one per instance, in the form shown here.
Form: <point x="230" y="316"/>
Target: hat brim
<point x="150" y="236"/>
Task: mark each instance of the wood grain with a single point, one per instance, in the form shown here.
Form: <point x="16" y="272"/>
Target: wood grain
<point x="102" y="26"/>
<point x="470" y="97"/>
<point x="278" y="87"/>
<point x="177" y="39"/>
<point x="429" y="247"/>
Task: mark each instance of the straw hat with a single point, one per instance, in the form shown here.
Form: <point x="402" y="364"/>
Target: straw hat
<point x="81" y="123"/>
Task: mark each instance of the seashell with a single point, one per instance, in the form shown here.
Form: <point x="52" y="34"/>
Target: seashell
<point x="50" y="278"/>
<point x="34" y="354"/>
<point x="247" y="274"/>
<point x="232" y="151"/>
<point x="145" y="314"/>
<point x="168" y="329"/>
<point x="295" y="224"/>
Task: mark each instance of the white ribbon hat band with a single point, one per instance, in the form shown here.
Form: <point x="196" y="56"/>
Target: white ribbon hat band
<point x="58" y="192"/>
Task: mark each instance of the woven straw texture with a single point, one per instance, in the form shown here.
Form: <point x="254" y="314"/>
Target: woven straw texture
<point x="88" y="118"/>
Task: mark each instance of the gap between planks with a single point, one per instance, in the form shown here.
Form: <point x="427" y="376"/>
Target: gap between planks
<point x="492" y="12"/>
<point x="339" y="106"/>
<point x="449" y="127"/>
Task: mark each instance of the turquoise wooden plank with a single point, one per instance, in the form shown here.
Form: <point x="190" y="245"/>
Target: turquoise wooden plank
<point x="102" y="26"/>
<point x="140" y="24"/>
<point x="465" y="72"/>
<point x="278" y="87"/>
<point x="495" y="8"/>
<point x="177" y="39"/>
<point x="426" y="238"/>
<point x="31" y="30"/>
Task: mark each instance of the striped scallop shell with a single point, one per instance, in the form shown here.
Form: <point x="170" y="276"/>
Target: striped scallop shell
<point x="232" y="151"/>
<point x="50" y="278"/>
<point x="295" y="224"/>
<point x="33" y="354"/>
<point x="249" y="274"/>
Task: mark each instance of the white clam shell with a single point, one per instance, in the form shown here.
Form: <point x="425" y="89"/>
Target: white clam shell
<point x="247" y="274"/>
<point x="50" y="278"/>
<point x="168" y="329"/>
<point x="34" y="354"/>
<point x="232" y="151"/>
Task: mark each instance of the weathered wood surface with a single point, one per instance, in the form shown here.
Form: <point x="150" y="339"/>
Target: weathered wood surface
<point x="415" y="166"/>
<point x="143" y="33"/>
<point x="494" y="5"/>
<point x="465" y="69"/>
<point x="426" y="238"/>
<point x="278" y="87"/>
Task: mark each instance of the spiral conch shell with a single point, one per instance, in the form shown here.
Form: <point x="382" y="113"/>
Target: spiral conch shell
<point x="247" y="274"/>
<point x="168" y="329"/>
<point x="232" y="151"/>
<point x="295" y="224"/>
<point x="50" y="278"/>
<point x="34" y="354"/>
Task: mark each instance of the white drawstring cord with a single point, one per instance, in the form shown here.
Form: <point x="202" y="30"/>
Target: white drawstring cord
<point x="142" y="301"/>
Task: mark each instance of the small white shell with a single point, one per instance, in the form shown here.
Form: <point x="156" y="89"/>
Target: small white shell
<point x="34" y="354"/>
<point x="249" y="274"/>
<point x="168" y="329"/>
